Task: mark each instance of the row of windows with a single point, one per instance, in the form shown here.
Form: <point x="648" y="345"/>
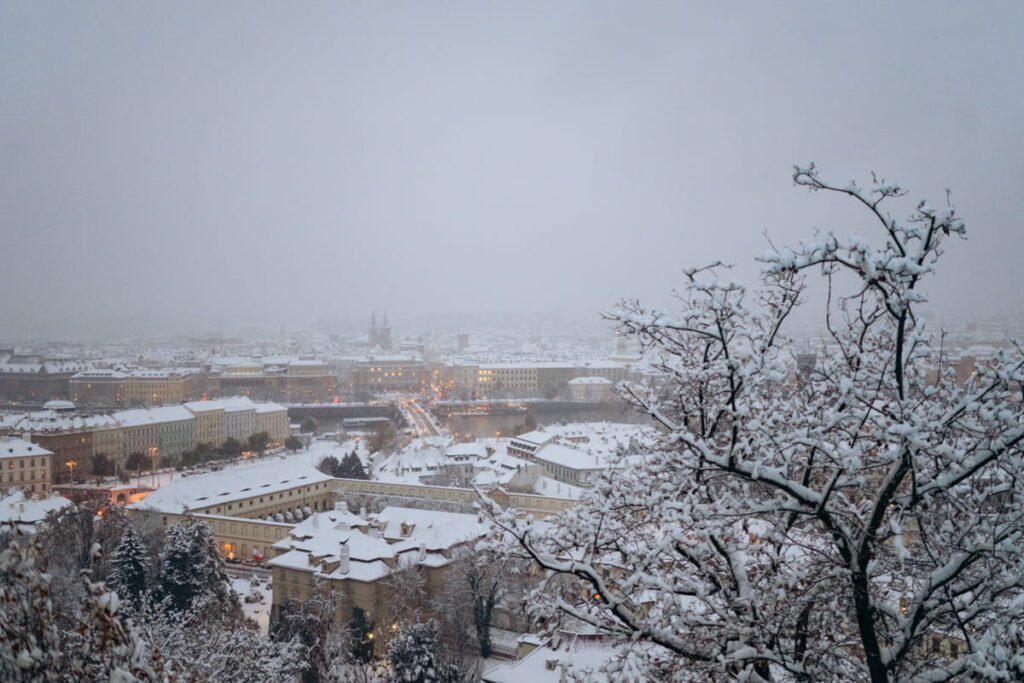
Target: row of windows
<point x="291" y="494"/>
<point x="21" y="463"/>
<point x="31" y="476"/>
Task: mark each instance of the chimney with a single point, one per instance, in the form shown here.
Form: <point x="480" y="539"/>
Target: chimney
<point x="423" y="552"/>
<point x="316" y="520"/>
<point x="343" y="558"/>
<point x="362" y="512"/>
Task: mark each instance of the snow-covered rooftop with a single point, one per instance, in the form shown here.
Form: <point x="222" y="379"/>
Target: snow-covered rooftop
<point x="375" y="544"/>
<point x="230" y="484"/>
<point x="20" y="448"/>
<point x="171" y="414"/>
<point x="571" y="458"/>
<point x="26" y="512"/>
<point x="590" y="380"/>
<point x="138" y="417"/>
<point x="269" y="408"/>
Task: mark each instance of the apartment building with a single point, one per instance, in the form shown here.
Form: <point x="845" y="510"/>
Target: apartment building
<point x="24" y="466"/>
<point x="273" y="419"/>
<point x="156" y="387"/>
<point x="32" y="378"/>
<point x="98" y="387"/>
<point x="308" y="381"/>
<point x="176" y="429"/>
<point x="547" y="379"/>
<point x="67" y="437"/>
<point x="590" y="389"/>
<point x="140" y="433"/>
<point x="210" y="422"/>
<point x="107" y="437"/>
<point x="393" y="373"/>
<point x="239" y="417"/>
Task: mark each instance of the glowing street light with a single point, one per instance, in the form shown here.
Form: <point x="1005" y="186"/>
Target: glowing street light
<point x="70" y="464"/>
<point x="152" y="468"/>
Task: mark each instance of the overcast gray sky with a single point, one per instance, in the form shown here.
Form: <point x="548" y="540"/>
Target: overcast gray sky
<point x="219" y="164"/>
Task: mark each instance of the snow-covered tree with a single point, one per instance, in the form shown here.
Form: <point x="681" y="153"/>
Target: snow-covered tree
<point x="859" y="520"/>
<point x="104" y="647"/>
<point x="309" y="625"/>
<point x="99" y="644"/>
<point x="130" y="565"/>
<point x="359" y="630"/>
<point x="207" y="566"/>
<point x="209" y="643"/>
<point x="351" y="467"/>
<point x="407" y="590"/>
<point x="190" y="567"/>
<point x="329" y="465"/>
<point x="30" y="640"/>
<point x="411" y="653"/>
<point x="177" y="584"/>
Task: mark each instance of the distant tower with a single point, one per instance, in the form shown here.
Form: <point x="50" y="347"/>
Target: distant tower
<point x="463" y="341"/>
<point x="385" y="334"/>
<point x="380" y="336"/>
<point x="620" y="346"/>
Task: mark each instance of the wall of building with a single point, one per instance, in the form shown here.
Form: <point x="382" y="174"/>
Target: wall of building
<point x="234" y="536"/>
<point x="527" y="503"/>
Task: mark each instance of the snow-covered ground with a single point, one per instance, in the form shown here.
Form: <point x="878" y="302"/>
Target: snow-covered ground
<point x="150" y="481"/>
<point x="323" y="447"/>
<point x="256" y="596"/>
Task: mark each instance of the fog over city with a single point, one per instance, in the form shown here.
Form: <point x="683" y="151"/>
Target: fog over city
<point x="511" y="341"/>
<point x="212" y="167"/>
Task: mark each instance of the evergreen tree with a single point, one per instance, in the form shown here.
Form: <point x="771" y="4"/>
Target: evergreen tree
<point x="351" y="467"/>
<point x="207" y="566"/>
<point x="190" y="568"/>
<point x="178" y="584"/>
<point x="130" y="565"/>
<point x="329" y="465"/>
<point x="360" y="628"/>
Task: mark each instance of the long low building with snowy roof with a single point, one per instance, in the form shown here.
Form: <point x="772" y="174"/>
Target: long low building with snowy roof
<point x="258" y="490"/>
<point x="248" y="506"/>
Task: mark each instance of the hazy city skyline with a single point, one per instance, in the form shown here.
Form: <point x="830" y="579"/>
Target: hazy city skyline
<point x="197" y="168"/>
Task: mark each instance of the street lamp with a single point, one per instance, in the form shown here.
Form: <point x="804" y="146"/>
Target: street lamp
<point x="152" y="468"/>
<point x="70" y="464"/>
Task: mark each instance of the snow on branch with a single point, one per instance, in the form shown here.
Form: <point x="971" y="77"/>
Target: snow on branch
<point x="844" y="514"/>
